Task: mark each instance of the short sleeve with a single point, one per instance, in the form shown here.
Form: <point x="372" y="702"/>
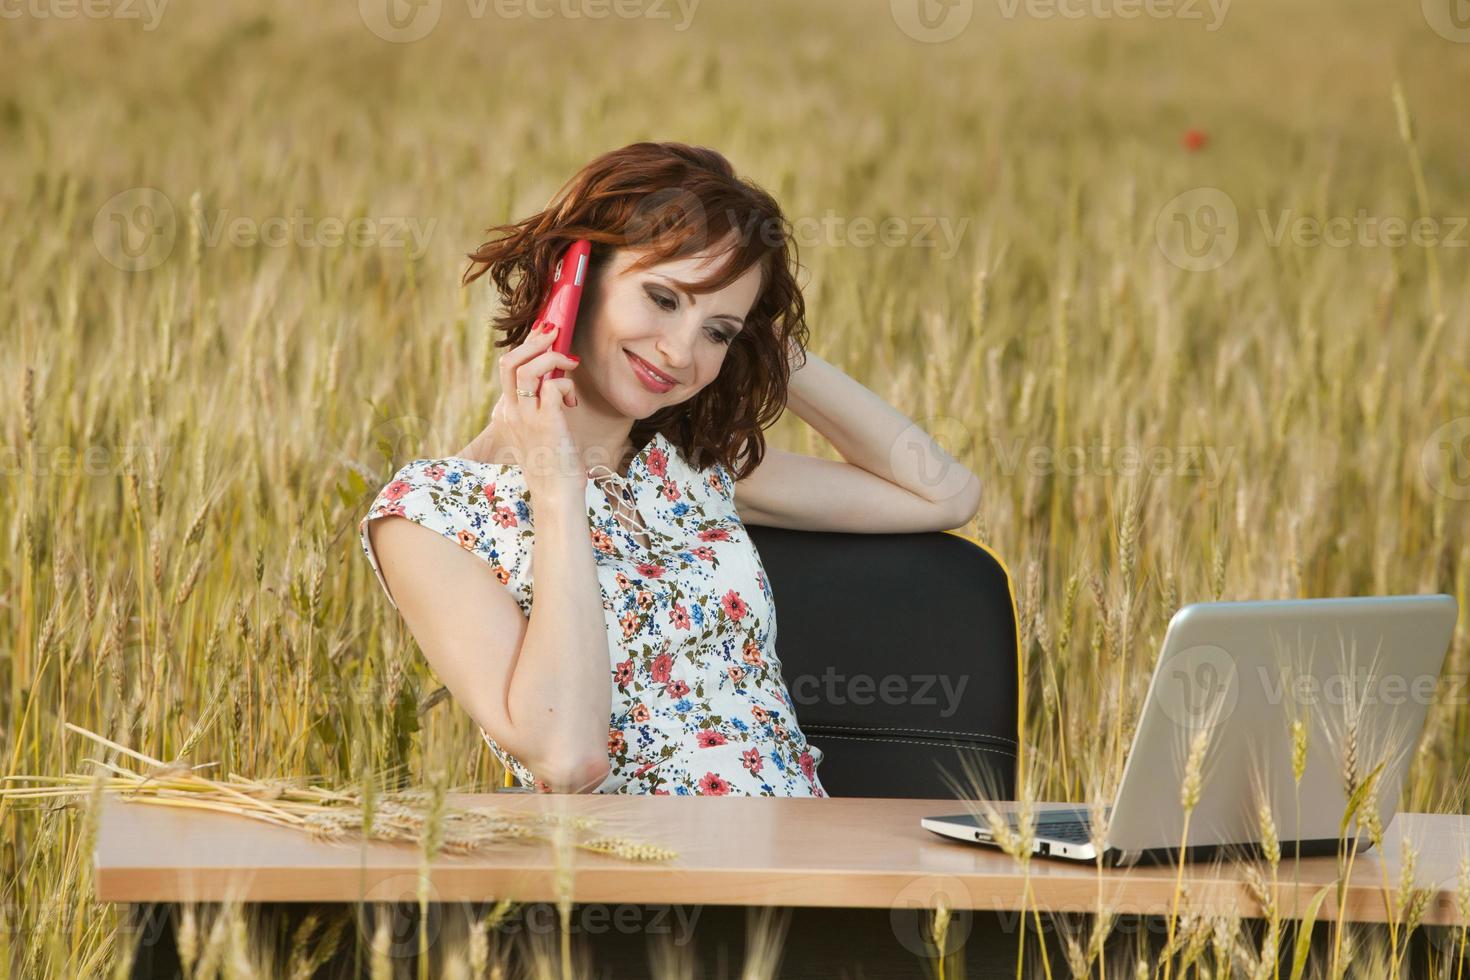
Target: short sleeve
<point x="482" y="507"/>
<point x="720" y="484"/>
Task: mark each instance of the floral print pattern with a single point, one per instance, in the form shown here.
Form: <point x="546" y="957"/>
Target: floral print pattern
<point x="699" y="704"/>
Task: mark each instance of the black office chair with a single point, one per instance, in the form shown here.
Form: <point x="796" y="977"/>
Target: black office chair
<point x="900" y="652"/>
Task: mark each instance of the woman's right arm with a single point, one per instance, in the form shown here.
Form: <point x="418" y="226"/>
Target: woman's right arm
<point x="560" y="692"/>
<point x="539" y="686"/>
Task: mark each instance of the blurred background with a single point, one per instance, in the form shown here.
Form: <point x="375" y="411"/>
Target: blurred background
<point x="1184" y="281"/>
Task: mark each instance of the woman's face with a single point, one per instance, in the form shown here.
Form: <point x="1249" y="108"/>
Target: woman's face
<point x="647" y="316"/>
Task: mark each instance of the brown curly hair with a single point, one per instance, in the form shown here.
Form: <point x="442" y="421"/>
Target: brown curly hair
<point x="670" y="200"/>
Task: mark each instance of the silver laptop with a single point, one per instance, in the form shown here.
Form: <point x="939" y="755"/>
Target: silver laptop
<point x="1234" y="675"/>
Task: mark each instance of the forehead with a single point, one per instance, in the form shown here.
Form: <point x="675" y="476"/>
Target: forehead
<point x="694" y="268"/>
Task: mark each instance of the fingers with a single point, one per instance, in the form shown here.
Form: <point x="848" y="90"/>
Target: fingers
<point x="559" y="392"/>
<point x="538" y="366"/>
<point x="535" y="342"/>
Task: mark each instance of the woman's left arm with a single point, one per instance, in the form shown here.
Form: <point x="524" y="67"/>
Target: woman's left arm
<point x="895" y="478"/>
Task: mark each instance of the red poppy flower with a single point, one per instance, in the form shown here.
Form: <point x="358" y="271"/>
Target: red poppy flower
<point x="712" y="785"/>
<point x="735" y="606"/>
<point x="1195" y="139"/>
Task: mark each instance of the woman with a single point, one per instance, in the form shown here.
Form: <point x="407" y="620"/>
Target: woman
<point x="649" y="664"/>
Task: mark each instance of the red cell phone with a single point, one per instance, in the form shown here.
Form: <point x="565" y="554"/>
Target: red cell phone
<point x="566" y="297"/>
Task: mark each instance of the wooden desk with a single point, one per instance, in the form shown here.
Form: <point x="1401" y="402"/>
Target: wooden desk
<point x="733" y="851"/>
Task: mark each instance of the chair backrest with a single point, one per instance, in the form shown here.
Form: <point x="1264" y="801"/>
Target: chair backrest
<point x="900" y="652"/>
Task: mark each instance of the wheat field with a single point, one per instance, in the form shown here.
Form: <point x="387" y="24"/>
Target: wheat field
<point x="231" y="238"/>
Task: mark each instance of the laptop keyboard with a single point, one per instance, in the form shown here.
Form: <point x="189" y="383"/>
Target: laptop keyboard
<point x="1071" y="831"/>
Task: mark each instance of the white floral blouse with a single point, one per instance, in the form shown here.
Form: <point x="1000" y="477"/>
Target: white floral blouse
<point x="699" y="705"/>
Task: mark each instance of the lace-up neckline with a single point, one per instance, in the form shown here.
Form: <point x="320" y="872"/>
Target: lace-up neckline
<point x="625" y="489"/>
<point x="626" y="516"/>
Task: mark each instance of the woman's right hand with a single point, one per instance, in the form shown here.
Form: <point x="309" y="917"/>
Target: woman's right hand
<point x="536" y="425"/>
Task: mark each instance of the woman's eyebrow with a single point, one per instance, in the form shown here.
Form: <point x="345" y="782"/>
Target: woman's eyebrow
<point x="739" y="321"/>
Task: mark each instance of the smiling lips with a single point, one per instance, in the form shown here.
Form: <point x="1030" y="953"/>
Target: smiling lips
<point x="651" y="377"/>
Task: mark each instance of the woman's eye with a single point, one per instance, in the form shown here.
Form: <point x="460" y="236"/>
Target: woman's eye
<point x="659" y="299"/>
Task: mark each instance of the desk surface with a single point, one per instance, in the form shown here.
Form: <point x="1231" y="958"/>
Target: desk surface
<point x="851" y="853"/>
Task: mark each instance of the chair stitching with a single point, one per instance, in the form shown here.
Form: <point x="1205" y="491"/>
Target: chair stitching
<point x="909" y="741"/>
<point x="936" y="731"/>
